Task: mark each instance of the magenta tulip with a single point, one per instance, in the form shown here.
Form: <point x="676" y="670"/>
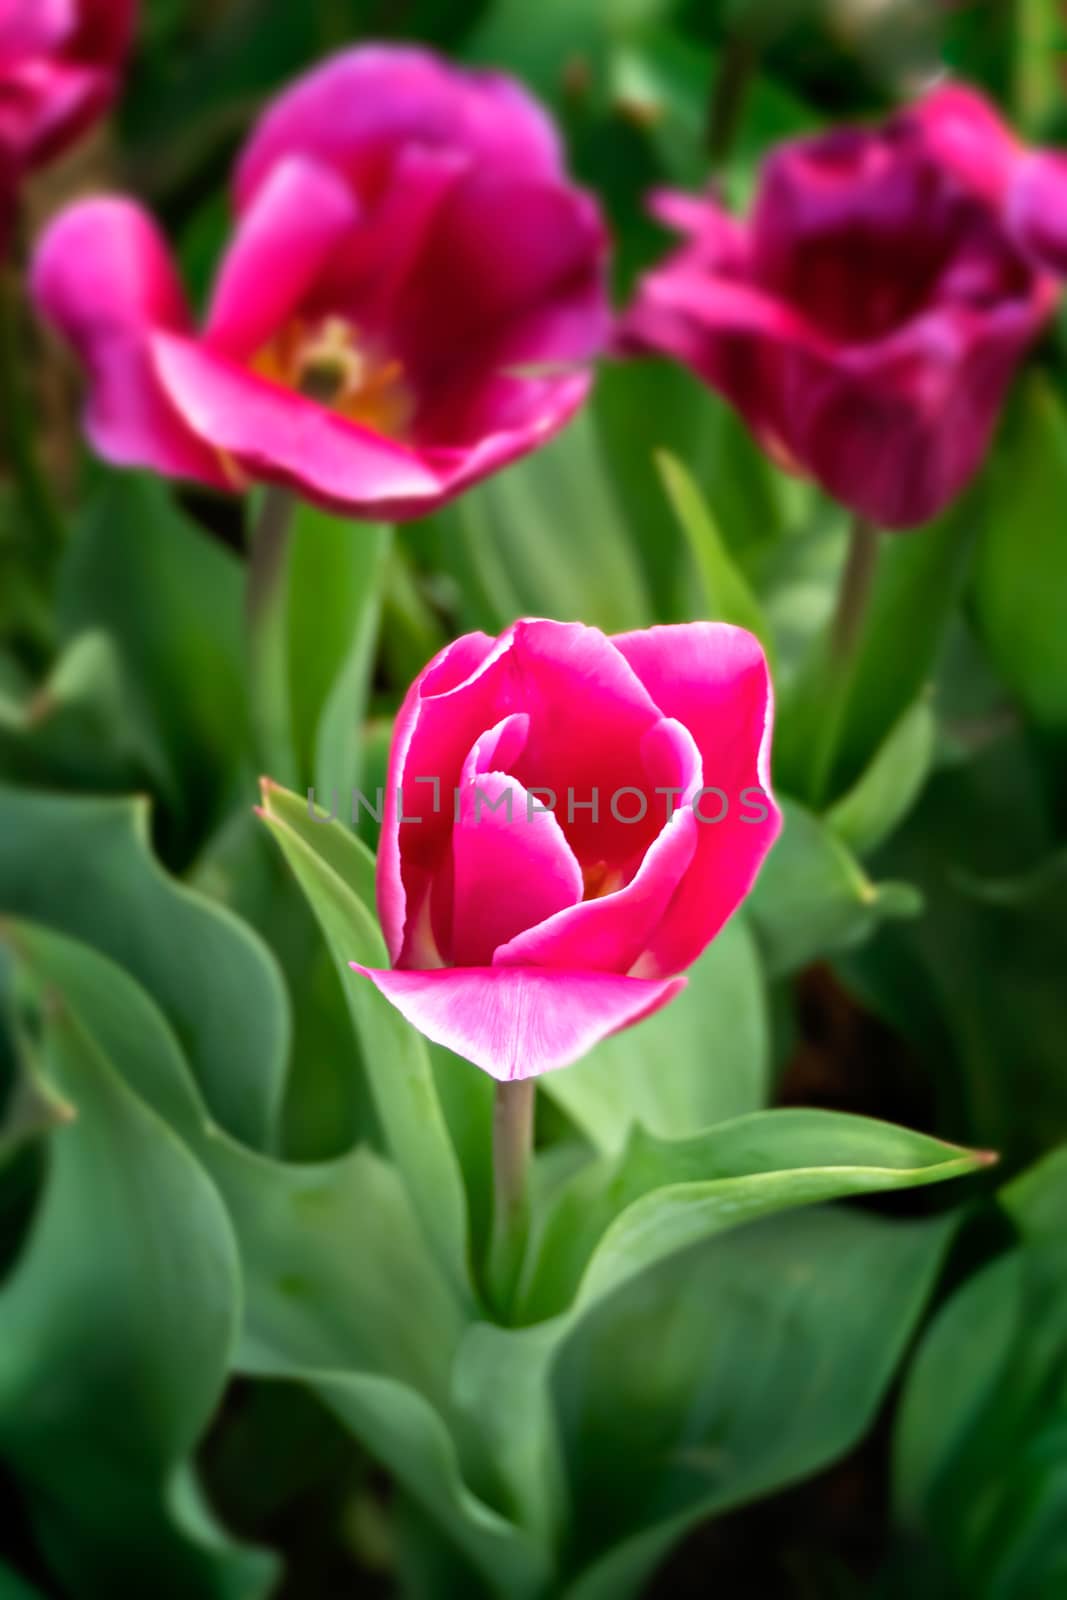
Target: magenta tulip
<point x="60" y="62"/>
<point x="866" y="320"/>
<point x="1028" y="186"/>
<point x="570" y="819"/>
<point x="410" y="299"/>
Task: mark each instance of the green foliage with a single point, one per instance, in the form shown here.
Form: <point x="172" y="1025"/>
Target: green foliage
<point x="245" y="1210"/>
<point x="979" y="1467"/>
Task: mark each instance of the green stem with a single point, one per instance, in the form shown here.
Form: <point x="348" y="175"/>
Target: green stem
<point x="729" y="93"/>
<point x="513" y="1118"/>
<point x="846" y="629"/>
<point x="18" y="436"/>
<point x="267" y="621"/>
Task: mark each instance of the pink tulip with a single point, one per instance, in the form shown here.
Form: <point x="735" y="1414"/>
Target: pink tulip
<point x="866" y="320"/>
<point x="570" y="819"/>
<point x="60" y="62"/>
<point x="410" y="298"/>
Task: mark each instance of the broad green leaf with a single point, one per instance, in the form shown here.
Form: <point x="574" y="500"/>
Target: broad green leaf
<point x="335" y="579"/>
<point x="725" y="596"/>
<point x="637" y="409"/>
<point x="117" y="1327"/>
<point x="736" y="1368"/>
<point x="976" y="982"/>
<point x="1035" y="1201"/>
<point x="1020" y="569"/>
<point x="917" y="584"/>
<point x="979" y="1467"/>
<point x="180" y="643"/>
<point x="702" y="1059"/>
<point x="334" y="1263"/>
<point x="566" y="28"/>
<point x="865" y="816"/>
<point x="12" y="1587"/>
<point x="411" y="1440"/>
<point x="74" y="729"/>
<point x="626" y="1212"/>
<point x="812" y="897"/>
<point x="548" y="538"/>
<point x="84" y="867"/>
<point x="327" y="1106"/>
<point x="335" y="870"/>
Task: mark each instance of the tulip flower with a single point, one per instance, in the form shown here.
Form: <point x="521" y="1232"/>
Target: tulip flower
<point x="60" y="62"/>
<point x="1028" y="186"/>
<point x="570" y="819"/>
<point x="867" y="318"/>
<point x="410" y="297"/>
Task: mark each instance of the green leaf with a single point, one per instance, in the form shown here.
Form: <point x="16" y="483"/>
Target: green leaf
<point x="917" y="585"/>
<point x="12" y="1587"/>
<point x="566" y="28"/>
<point x="334" y="1262"/>
<point x="181" y="645"/>
<point x="726" y="596"/>
<point x="335" y="871"/>
<point x="702" y="1059"/>
<point x="337" y="572"/>
<point x="1035" y="1200"/>
<point x="980" y="1480"/>
<point x="548" y="538"/>
<point x="975" y="984"/>
<point x="877" y="802"/>
<point x="75" y="728"/>
<point x="626" y="1212"/>
<point x="84" y="867"/>
<point x="812" y="897"/>
<point x="736" y="1368"/>
<point x="117" y="1328"/>
<point x="1020" y="568"/>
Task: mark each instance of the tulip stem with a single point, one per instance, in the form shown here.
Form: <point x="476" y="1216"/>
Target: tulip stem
<point x="853" y="601"/>
<point x="513" y="1120"/>
<point x="267" y="620"/>
<point x="737" y="68"/>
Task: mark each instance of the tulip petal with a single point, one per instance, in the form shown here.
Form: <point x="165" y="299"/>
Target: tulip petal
<point x="609" y="933"/>
<point x="502" y="249"/>
<point x="512" y="865"/>
<point x="102" y="276"/>
<point x="103" y="264"/>
<point x="279" y="435"/>
<point x="455" y="666"/>
<point x="518" y="1022"/>
<point x="963" y="133"/>
<point x="356" y="109"/>
<point x="1037" y="208"/>
<point x="282" y="244"/>
<point x="30" y="27"/>
<point x="713" y="678"/>
<point x="589" y="714"/>
<point x="374" y="264"/>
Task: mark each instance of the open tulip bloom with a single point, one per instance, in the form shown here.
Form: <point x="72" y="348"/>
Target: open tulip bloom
<point x="408" y="300"/>
<point x="60" y="62"/>
<point x="570" y="819"/>
<point x="868" y="317"/>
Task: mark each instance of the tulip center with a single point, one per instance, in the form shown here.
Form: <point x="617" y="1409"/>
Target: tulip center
<point x="330" y="362"/>
<point x="600" y="879"/>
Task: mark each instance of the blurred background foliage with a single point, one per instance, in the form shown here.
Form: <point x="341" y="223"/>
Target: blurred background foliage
<point x="848" y="1401"/>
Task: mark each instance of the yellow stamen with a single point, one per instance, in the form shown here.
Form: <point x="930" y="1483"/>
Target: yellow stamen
<point x="330" y="363"/>
<point x="600" y="879"/>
